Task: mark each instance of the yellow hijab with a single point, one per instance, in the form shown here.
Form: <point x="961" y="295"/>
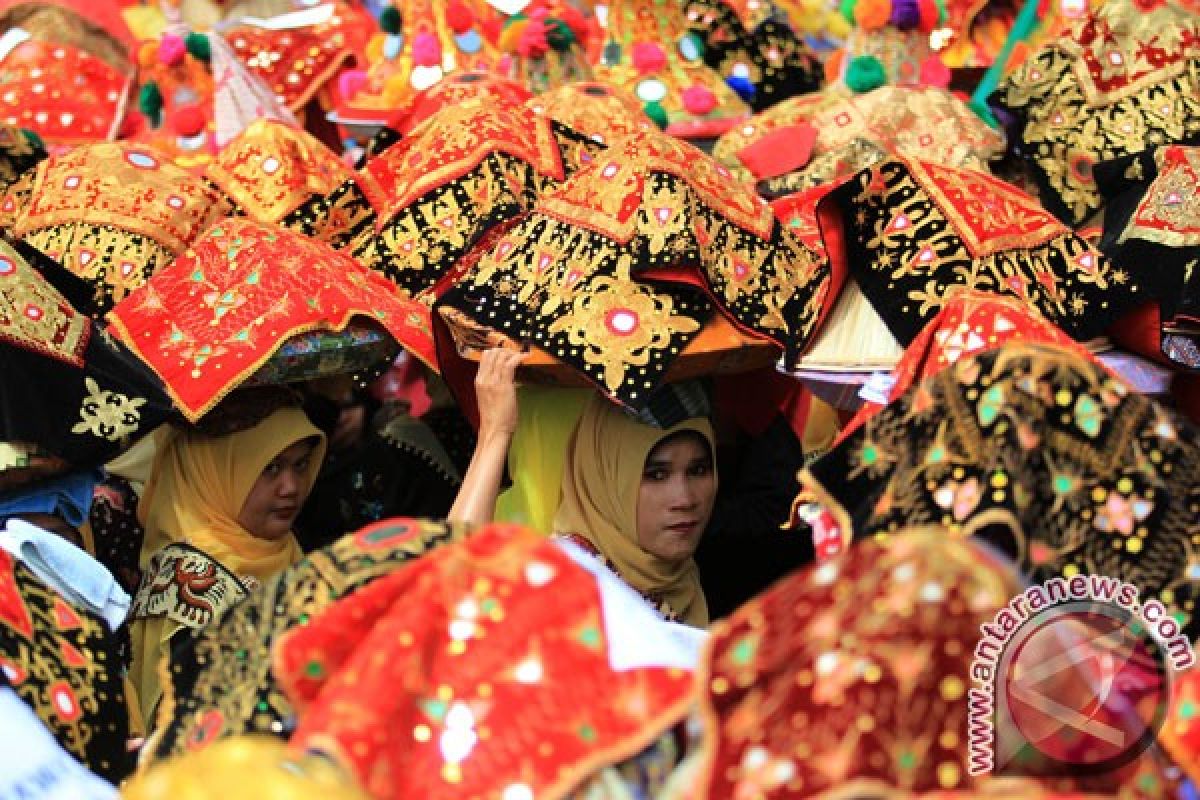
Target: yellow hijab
<point x="601" y="478"/>
<point x="200" y="482"/>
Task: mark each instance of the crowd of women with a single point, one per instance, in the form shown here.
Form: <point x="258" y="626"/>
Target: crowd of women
<point x="655" y="399"/>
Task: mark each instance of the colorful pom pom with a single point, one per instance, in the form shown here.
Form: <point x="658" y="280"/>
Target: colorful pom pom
<point x="656" y="113"/>
<point x="871" y="15"/>
<point x="865" y="73"/>
<point x="147" y="55"/>
<point x="934" y="72"/>
<point x="395" y="89"/>
<point x="511" y="35"/>
<point x="559" y="35"/>
<point x="743" y="86"/>
<point x="150" y="103"/>
<point x="187" y="121"/>
<point x="648" y="57"/>
<point x="533" y="42"/>
<point x="393" y="46"/>
<point x="390" y="20"/>
<point x="575" y="20"/>
<point x="699" y="100"/>
<point x="351" y="82"/>
<point x="198" y="45"/>
<point x="833" y="65"/>
<point x="459" y="17"/>
<point x="426" y="50"/>
<point x="906" y="14"/>
<point x="492" y="28"/>
<point x="847" y="9"/>
<point x="171" y="50"/>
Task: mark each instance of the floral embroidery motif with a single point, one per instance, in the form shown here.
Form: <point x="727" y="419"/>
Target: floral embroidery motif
<point x="34" y="316"/>
<point x="108" y="415"/>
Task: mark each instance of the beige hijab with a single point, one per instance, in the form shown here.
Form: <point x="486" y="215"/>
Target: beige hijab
<point x="601" y="478"/>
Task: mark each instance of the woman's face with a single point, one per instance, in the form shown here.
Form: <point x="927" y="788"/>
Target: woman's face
<point x="676" y="496"/>
<point x="279" y="493"/>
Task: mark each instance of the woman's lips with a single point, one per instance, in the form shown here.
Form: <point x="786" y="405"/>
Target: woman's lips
<point x="684" y="527"/>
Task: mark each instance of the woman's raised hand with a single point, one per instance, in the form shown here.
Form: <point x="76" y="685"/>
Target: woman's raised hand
<point x="496" y="392"/>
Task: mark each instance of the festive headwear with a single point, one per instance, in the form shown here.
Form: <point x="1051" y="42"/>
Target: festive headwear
<point x="461" y="88"/>
<point x="421" y="42"/>
<point x="602" y="112"/>
<point x="545" y="45"/>
<point x="914" y="231"/>
<point x="271" y="169"/>
<point x="1152" y="216"/>
<point x="605" y="274"/>
<point x="926" y="123"/>
<point x="215" y="685"/>
<point x="601" y="476"/>
<point x="65" y="77"/>
<point x="62" y="662"/>
<point x="1093" y="94"/>
<point x="257" y="287"/>
<point x="645" y="54"/>
<point x="114" y="214"/>
<point x="460" y="174"/>
<point x="102" y="397"/>
<point x="1040" y="451"/>
<point x="752" y="46"/>
<point x="498" y="639"/>
<point x="889" y="44"/>
<point x="258" y="765"/>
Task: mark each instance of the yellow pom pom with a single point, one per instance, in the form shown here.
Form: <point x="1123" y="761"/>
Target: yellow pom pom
<point x="395" y="90"/>
<point x="147" y="54"/>
<point x="511" y="35"/>
<point x="374" y="51"/>
<point x="837" y="26"/>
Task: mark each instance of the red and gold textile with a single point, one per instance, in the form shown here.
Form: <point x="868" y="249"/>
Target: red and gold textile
<point x="114" y="214"/>
<point x="481" y="670"/>
<point x="926" y="123"/>
<point x="1124" y="77"/>
<point x="226" y="305"/>
<point x="612" y="273"/>
<point x="271" y="169"/>
<point x="459" y="174"/>
<point x="917" y="232"/>
<point x="63" y="663"/>
<point x="595" y="109"/>
<point x="470" y="87"/>
<point x="62" y="92"/>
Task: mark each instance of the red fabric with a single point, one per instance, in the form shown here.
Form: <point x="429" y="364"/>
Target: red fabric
<point x="481" y="667"/>
<point x="779" y="152"/>
<point x="62" y="93"/>
<point x="214" y="316"/>
<point x="487" y="88"/>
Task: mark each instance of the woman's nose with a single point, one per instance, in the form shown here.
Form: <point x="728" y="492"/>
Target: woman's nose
<point x="289" y="483"/>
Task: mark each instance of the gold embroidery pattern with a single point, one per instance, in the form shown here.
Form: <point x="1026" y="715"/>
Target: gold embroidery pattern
<point x="903" y="245"/>
<point x="18" y="153"/>
<point x="602" y="112"/>
<point x="1121" y="80"/>
<point x="221" y="684"/>
<point x="34" y="316"/>
<point x="186" y="586"/>
<point x="1169" y="213"/>
<point x="61" y="662"/>
<point x="271" y="168"/>
<point x="108" y="415"/>
<point x="1054" y="458"/>
<point x="16" y="199"/>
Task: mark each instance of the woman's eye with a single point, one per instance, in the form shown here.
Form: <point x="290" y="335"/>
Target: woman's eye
<point x="271" y="469"/>
<point x="655" y="475"/>
<point x="302" y="465"/>
<point x="699" y="470"/>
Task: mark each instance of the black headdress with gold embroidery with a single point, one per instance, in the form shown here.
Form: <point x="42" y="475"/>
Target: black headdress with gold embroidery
<point x="1040" y="451"/>
<point x="219" y="681"/>
<point x="70" y="392"/>
<point x="62" y="662"/>
<point x="612" y="274"/>
<point x="1120" y="79"/>
<point x="916" y="232"/>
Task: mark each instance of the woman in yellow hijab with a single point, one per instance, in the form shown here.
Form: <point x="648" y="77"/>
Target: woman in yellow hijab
<point x="640" y="497"/>
<point x="218" y="512"/>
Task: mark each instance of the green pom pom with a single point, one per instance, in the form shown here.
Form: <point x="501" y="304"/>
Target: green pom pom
<point x="941" y="7"/>
<point x="865" y="73"/>
<point x="33" y="139"/>
<point x="198" y="46"/>
<point x="656" y="113"/>
<point x="390" y="20"/>
<point x="847" y="9"/>
<point x="150" y="102"/>
<point x="559" y="35"/>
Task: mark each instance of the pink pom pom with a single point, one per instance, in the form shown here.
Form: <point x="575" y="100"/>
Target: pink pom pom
<point x="351" y="82"/>
<point x="698" y="100"/>
<point x="171" y="50"/>
<point x="459" y="17"/>
<point x="648" y="58"/>
<point x="426" y="50"/>
<point x="934" y="72"/>
<point x="533" y="42"/>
